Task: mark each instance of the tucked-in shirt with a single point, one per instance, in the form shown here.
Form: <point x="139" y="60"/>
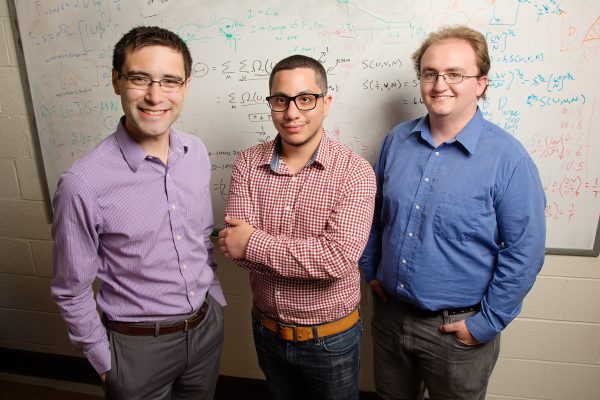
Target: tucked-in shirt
<point x="458" y="224"/>
<point x="141" y="227"/>
<point x="311" y="228"/>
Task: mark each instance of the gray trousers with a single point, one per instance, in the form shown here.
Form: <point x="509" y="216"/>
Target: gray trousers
<point x="176" y="366"/>
<point x="411" y="353"/>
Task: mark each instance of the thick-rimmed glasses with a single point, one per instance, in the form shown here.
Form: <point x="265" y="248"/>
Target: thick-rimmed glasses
<point x="143" y="82"/>
<point x="451" y="78"/>
<point x="303" y="102"/>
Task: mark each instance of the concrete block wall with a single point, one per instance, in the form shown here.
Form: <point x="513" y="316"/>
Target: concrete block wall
<point x="552" y="351"/>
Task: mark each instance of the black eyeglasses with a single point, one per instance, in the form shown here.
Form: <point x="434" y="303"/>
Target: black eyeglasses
<point x="303" y="102"/>
<point x="143" y="82"/>
<point x="451" y="78"/>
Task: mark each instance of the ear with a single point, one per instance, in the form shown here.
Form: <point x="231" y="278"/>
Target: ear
<point x="115" y="82"/>
<point x="326" y="104"/>
<point x="188" y="82"/>
<point x="482" y="83"/>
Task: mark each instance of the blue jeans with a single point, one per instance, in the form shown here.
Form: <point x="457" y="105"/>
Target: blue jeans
<point x="323" y="368"/>
<point x="410" y="352"/>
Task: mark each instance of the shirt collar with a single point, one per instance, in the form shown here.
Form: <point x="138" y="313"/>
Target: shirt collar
<point x="320" y="157"/>
<point x="134" y="154"/>
<point x="467" y="137"/>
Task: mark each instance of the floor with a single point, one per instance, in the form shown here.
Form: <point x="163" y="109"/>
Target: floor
<point x="19" y="387"/>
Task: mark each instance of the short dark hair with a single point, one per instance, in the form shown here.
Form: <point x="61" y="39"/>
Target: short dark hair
<point x="300" y="61"/>
<point x="143" y="36"/>
<point x="475" y="39"/>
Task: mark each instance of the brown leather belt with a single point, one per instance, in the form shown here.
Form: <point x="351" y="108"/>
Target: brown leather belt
<point x="302" y="333"/>
<point x="157" y="329"/>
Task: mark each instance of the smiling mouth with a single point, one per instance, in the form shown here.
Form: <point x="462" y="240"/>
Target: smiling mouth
<point x="153" y="112"/>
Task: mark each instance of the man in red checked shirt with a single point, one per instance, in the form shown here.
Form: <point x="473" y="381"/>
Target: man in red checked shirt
<point x="298" y="218"/>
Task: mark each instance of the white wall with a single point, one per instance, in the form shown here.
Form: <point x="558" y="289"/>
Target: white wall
<point x="552" y="351"/>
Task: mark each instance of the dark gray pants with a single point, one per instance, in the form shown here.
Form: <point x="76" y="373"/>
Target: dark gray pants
<point x="176" y="366"/>
<point x="410" y="351"/>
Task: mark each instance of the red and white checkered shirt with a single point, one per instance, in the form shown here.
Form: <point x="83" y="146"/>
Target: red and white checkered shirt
<point x="311" y="229"/>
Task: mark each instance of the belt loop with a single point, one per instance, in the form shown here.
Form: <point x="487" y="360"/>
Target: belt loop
<point x="447" y="318"/>
<point x="156" y="329"/>
<point x="315" y="331"/>
<point x="186" y="325"/>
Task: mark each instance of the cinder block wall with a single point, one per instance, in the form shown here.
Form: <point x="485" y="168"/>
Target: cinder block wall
<point x="552" y="351"/>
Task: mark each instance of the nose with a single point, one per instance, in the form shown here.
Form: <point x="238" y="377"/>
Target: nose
<point x="154" y="92"/>
<point x="292" y="110"/>
<point x="440" y="80"/>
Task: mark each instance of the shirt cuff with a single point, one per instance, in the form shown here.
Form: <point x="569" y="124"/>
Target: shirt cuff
<point x="99" y="357"/>
<point x="480" y="329"/>
<point x="257" y="248"/>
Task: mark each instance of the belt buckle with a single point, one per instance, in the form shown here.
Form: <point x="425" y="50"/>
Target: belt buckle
<point x="292" y="326"/>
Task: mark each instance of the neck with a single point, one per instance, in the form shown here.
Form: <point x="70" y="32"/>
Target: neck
<point x="156" y="147"/>
<point x="296" y="157"/>
<point x="445" y="128"/>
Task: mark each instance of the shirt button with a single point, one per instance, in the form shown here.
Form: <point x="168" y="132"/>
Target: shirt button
<point x="178" y="237"/>
<point x="426" y="179"/>
<point x="281" y="317"/>
<point x="168" y="176"/>
<point x="294" y="179"/>
<point x="287" y="208"/>
<point x="173" y="206"/>
<point x="184" y="266"/>
<point x="277" y="293"/>
<point x="403" y="261"/>
<point x="418" y="207"/>
<point x="437" y="153"/>
<point x="402" y="285"/>
<point x="191" y="293"/>
<point x="410" y="234"/>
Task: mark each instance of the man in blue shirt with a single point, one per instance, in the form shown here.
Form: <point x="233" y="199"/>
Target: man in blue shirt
<point x="458" y="232"/>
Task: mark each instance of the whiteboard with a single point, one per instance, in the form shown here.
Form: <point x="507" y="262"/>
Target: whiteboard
<point x="544" y="82"/>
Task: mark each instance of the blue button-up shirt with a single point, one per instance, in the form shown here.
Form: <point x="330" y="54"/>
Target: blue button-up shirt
<point x="458" y="224"/>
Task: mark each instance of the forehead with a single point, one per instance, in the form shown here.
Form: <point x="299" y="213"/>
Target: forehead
<point x="450" y="53"/>
<point x="292" y="81"/>
<point x="154" y="57"/>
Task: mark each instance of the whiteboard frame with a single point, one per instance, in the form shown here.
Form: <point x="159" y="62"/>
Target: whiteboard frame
<point x="593" y="252"/>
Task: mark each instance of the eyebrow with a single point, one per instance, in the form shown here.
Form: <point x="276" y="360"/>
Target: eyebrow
<point x="165" y="76"/>
<point x="299" y="93"/>
<point x="451" y="69"/>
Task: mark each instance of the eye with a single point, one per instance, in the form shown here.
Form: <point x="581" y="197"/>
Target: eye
<point x="429" y="75"/>
<point x="170" y="83"/>
<point x="279" y="100"/>
<point x="454" y="75"/>
<point x="139" y="80"/>
<point x="305" y="99"/>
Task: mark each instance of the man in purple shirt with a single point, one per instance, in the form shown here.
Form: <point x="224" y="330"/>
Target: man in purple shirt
<point x="136" y="213"/>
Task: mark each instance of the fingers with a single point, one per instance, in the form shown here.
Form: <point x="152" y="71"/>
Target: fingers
<point x="378" y="290"/>
<point x="233" y="221"/>
<point x="223" y="243"/>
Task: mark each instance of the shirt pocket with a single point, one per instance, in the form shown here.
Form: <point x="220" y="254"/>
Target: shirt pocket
<point x="458" y="217"/>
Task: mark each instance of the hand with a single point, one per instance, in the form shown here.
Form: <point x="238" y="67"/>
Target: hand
<point x="234" y="240"/>
<point x="376" y="288"/>
<point x="459" y="328"/>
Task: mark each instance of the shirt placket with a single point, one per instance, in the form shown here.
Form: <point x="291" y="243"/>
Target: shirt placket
<point x="291" y="192"/>
<point x="424" y="189"/>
